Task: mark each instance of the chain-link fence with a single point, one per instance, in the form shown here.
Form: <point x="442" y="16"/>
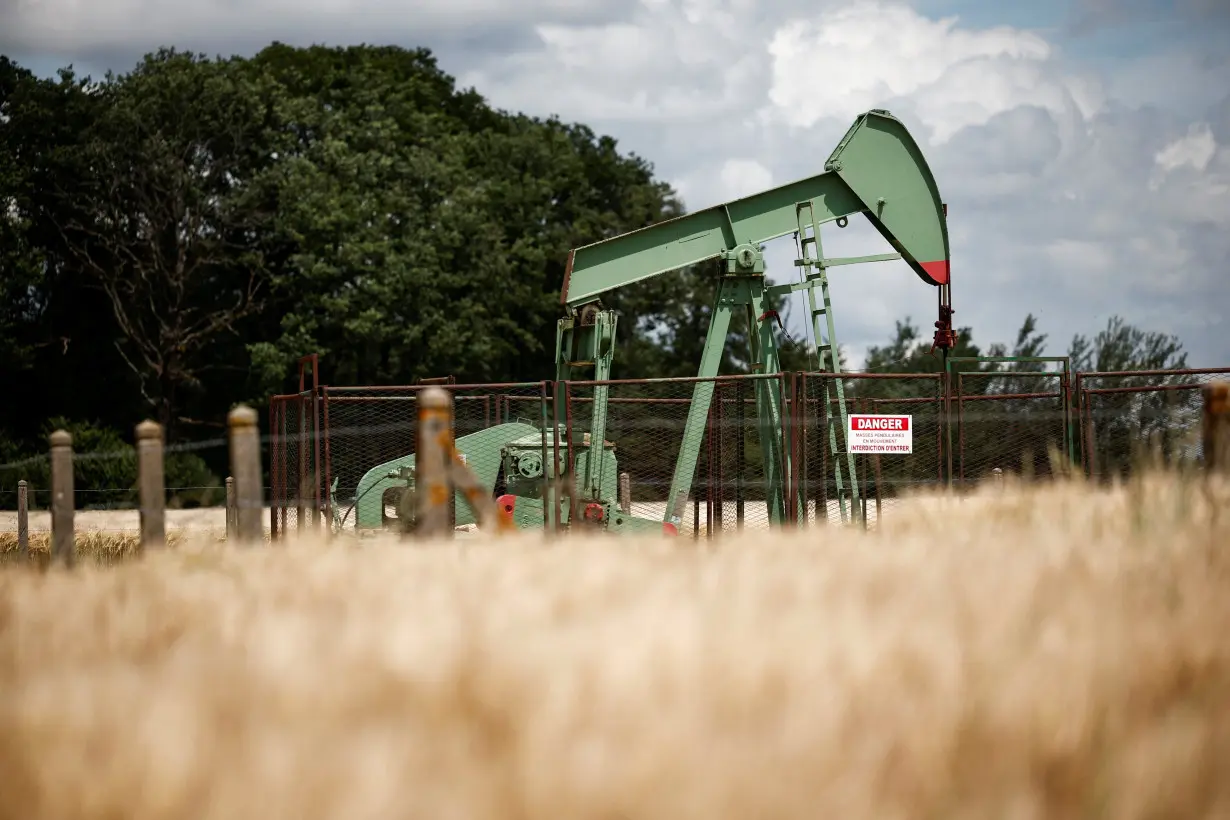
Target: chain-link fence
<point x="1125" y="417"/>
<point x="836" y="482"/>
<point x="756" y="443"/>
<point x="371" y="439"/>
<point x="295" y="471"/>
<point x="713" y="477"/>
<point x="765" y="451"/>
<point x="1011" y="423"/>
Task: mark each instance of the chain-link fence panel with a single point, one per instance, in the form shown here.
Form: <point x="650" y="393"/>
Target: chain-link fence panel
<point x="837" y="484"/>
<point x="1011" y="423"/>
<point x="1130" y="417"/>
<point x="294" y="474"/>
<point x="371" y="440"/>
<point x="348" y="452"/>
<point x="748" y="482"/>
<point x="706" y="480"/>
<point x="893" y="476"/>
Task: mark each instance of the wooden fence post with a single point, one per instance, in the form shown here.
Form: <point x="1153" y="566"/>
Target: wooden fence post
<point x="23" y="517"/>
<point x="1217" y="427"/>
<point x="230" y="508"/>
<point x="432" y="488"/>
<point x="151" y="485"/>
<point x="246" y="470"/>
<point x="63" y="547"/>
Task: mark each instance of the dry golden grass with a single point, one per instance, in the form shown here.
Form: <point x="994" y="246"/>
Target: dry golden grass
<point x="98" y="547"/>
<point x="1046" y="654"/>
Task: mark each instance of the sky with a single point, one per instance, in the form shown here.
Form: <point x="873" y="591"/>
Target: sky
<point x="1082" y="146"/>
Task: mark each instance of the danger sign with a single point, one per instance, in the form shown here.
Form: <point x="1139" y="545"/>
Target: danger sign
<point x="881" y="434"/>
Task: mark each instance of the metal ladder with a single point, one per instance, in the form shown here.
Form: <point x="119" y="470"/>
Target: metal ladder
<point x="826" y="349"/>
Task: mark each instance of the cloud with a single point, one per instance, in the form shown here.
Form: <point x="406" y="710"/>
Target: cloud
<point x="119" y="31"/>
<point x="1195" y="149"/>
<point x="1092" y="15"/>
<point x="1081" y="182"/>
<point x="1056" y="202"/>
<point x="847" y="59"/>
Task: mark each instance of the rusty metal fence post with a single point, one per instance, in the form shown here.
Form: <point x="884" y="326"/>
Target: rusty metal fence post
<point x="23" y="517"/>
<point x="151" y="486"/>
<point x="1216" y="438"/>
<point x="246" y="470"/>
<point x="63" y="545"/>
<point x="433" y="490"/>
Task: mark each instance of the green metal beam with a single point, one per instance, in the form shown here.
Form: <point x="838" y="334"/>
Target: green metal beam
<point x="688" y="240"/>
<point x="1065" y="373"/>
<point x="877" y="170"/>
<point x="731" y="292"/>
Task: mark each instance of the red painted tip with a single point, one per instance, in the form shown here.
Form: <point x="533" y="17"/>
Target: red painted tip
<point x="506" y="503"/>
<point x="669" y="529"/>
<point x="938" y="271"/>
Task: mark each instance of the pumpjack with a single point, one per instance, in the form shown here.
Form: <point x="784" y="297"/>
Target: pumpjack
<point x="876" y="170"/>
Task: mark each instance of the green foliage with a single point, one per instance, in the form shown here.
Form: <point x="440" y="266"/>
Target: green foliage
<point x="20" y="260"/>
<point x="430" y="232"/>
<point x="1121" y="425"/>
<point x="1121" y="346"/>
<point x="54" y="351"/>
<point x="177" y="236"/>
<point x="910" y="352"/>
<point x="168" y="221"/>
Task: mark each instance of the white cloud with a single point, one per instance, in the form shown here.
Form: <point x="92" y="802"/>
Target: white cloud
<point x="87" y="27"/>
<point x="723" y="181"/>
<point x="1195" y="149"/>
<point x="1080" y="254"/>
<point x="1047" y="175"/>
<point x="852" y="58"/>
<point x="742" y="177"/>
<point x="672" y="62"/>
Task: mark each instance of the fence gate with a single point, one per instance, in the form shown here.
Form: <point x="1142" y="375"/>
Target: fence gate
<point x="298" y="497"/>
<point x="1124" y="415"/>
<point x="1010" y="420"/>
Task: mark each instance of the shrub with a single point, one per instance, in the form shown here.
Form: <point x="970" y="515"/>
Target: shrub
<point x="104" y="471"/>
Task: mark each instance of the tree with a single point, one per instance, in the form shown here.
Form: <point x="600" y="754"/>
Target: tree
<point x="1122" y="347"/>
<point x="910" y="352"/>
<point x="20" y="262"/>
<point x="56" y="331"/>
<point x="165" y="225"/>
<point x="1150" y="409"/>
<point x="431" y="231"/>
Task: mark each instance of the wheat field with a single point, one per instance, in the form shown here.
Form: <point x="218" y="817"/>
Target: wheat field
<point x="1053" y="653"/>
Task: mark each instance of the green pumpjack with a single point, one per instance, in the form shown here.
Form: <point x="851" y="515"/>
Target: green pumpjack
<point x="876" y="170"/>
